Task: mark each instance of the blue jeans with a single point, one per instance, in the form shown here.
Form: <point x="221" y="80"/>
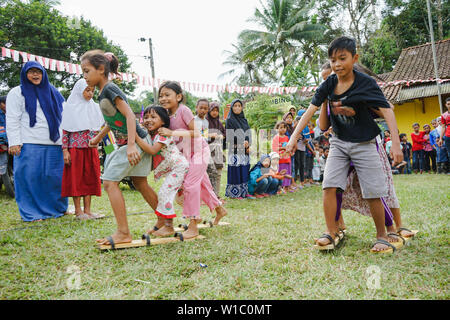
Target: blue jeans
<point x="418" y="160"/>
<point x="407" y="169"/>
<point x="447" y="145"/>
<point x="3" y="162"/>
<point x="267" y="185"/>
<point x="274" y="186"/>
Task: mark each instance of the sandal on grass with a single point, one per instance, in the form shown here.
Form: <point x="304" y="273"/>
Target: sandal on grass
<point x="96" y="216"/>
<point x="414" y="232"/>
<point x="155" y="228"/>
<point x="386" y="243"/>
<point x="333" y="242"/>
<point x="84" y="217"/>
<point x="400" y="242"/>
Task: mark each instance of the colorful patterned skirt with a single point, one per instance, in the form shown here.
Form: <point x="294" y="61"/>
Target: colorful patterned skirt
<point x="238" y="174"/>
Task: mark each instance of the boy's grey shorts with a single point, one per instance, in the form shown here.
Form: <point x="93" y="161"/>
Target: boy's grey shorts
<point x="366" y="160"/>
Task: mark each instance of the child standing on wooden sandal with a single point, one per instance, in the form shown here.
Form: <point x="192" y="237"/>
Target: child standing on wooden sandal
<point x="197" y="186"/>
<point x="350" y="94"/>
<point x="127" y="161"/>
<point x="173" y="167"/>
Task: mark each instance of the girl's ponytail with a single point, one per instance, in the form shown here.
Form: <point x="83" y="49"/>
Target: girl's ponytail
<point x="108" y="60"/>
<point x="113" y="63"/>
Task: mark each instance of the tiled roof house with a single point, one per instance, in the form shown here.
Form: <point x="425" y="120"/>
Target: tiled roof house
<point x="415" y="94"/>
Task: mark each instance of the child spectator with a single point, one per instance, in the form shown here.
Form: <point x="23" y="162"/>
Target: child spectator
<point x="387" y="138"/>
<point x="316" y="172"/>
<point x="81" y="122"/>
<point x="279" y="143"/>
<point x="441" y="152"/>
<point x="201" y="122"/>
<point x="275" y="171"/>
<point x="407" y="152"/>
<point x="428" y="151"/>
<point x="309" y="163"/>
<point x="444" y="140"/>
<point x="3" y="137"/>
<point x="324" y="139"/>
<point x="261" y="184"/>
<point x="323" y="162"/>
<point x="216" y="144"/>
<point x="417" y="148"/>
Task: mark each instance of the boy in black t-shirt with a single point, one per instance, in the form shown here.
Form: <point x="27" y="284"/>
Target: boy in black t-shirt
<point x="347" y="96"/>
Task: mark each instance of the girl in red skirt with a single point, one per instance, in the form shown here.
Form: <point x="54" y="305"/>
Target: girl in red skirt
<point x="82" y="119"/>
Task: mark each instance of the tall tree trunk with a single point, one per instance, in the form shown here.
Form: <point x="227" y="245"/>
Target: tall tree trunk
<point x="439" y="18"/>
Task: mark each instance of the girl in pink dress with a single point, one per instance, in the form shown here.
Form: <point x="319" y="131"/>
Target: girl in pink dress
<point x="197" y="186"/>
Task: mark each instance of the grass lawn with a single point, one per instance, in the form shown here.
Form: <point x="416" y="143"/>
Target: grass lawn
<point x="267" y="253"/>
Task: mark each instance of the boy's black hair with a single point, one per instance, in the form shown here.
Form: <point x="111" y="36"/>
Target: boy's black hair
<point x="342" y="43"/>
<point x="402" y="135"/>
<point x="2" y="99"/>
<point x="202" y="100"/>
<point x="387" y="131"/>
<point x="447" y="100"/>
<point x="161" y="112"/>
<point x="415" y="124"/>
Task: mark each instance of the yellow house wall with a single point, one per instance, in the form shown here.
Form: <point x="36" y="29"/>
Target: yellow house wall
<point x="408" y="113"/>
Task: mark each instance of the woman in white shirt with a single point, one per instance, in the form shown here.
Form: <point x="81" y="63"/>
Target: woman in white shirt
<point x="33" y="127"/>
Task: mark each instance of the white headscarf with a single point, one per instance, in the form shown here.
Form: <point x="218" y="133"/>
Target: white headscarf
<point x="79" y="114"/>
<point x="274" y="164"/>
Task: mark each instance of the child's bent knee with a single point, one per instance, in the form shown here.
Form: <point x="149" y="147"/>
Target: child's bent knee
<point x="109" y="185"/>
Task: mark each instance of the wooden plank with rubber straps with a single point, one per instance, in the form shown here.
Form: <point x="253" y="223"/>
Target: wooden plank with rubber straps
<point x="183" y="227"/>
<point x="145" y="243"/>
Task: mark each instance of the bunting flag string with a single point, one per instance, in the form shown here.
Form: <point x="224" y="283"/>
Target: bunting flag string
<point x="63" y="66"/>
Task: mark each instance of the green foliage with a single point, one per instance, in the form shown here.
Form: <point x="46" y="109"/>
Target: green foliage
<point x="262" y="114"/>
<point x="381" y="52"/>
<point x="286" y="33"/>
<point x="408" y="21"/>
<point x="146" y="99"/>
<point x="36" y="27"/>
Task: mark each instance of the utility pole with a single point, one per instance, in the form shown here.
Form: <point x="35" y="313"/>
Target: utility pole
<point x="433" y="46"/>
<point x="152" y="67"/>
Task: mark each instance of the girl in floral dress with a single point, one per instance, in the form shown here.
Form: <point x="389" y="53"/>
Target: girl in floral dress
<point x="173" y="166"/>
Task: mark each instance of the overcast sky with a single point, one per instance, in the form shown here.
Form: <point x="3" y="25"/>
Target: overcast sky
<point x="189" y="36"/>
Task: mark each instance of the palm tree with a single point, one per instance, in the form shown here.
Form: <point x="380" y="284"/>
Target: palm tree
<point x="287" y="27"/>
<point x="240" y="67"/>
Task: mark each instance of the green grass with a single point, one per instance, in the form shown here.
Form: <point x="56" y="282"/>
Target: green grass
<point x="267" y="253"/>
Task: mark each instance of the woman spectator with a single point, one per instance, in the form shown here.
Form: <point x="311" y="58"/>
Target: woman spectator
<point x="35" y="138"/>
<point x="238" y="141"/>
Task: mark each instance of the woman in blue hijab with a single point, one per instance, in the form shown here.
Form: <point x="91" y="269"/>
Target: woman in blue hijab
<point x="34" y="133"/>
<point x="261" y="183"/>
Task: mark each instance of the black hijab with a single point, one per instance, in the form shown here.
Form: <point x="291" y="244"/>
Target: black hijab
<point x="236" y="121"/>
<point x="239" y="125"/>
